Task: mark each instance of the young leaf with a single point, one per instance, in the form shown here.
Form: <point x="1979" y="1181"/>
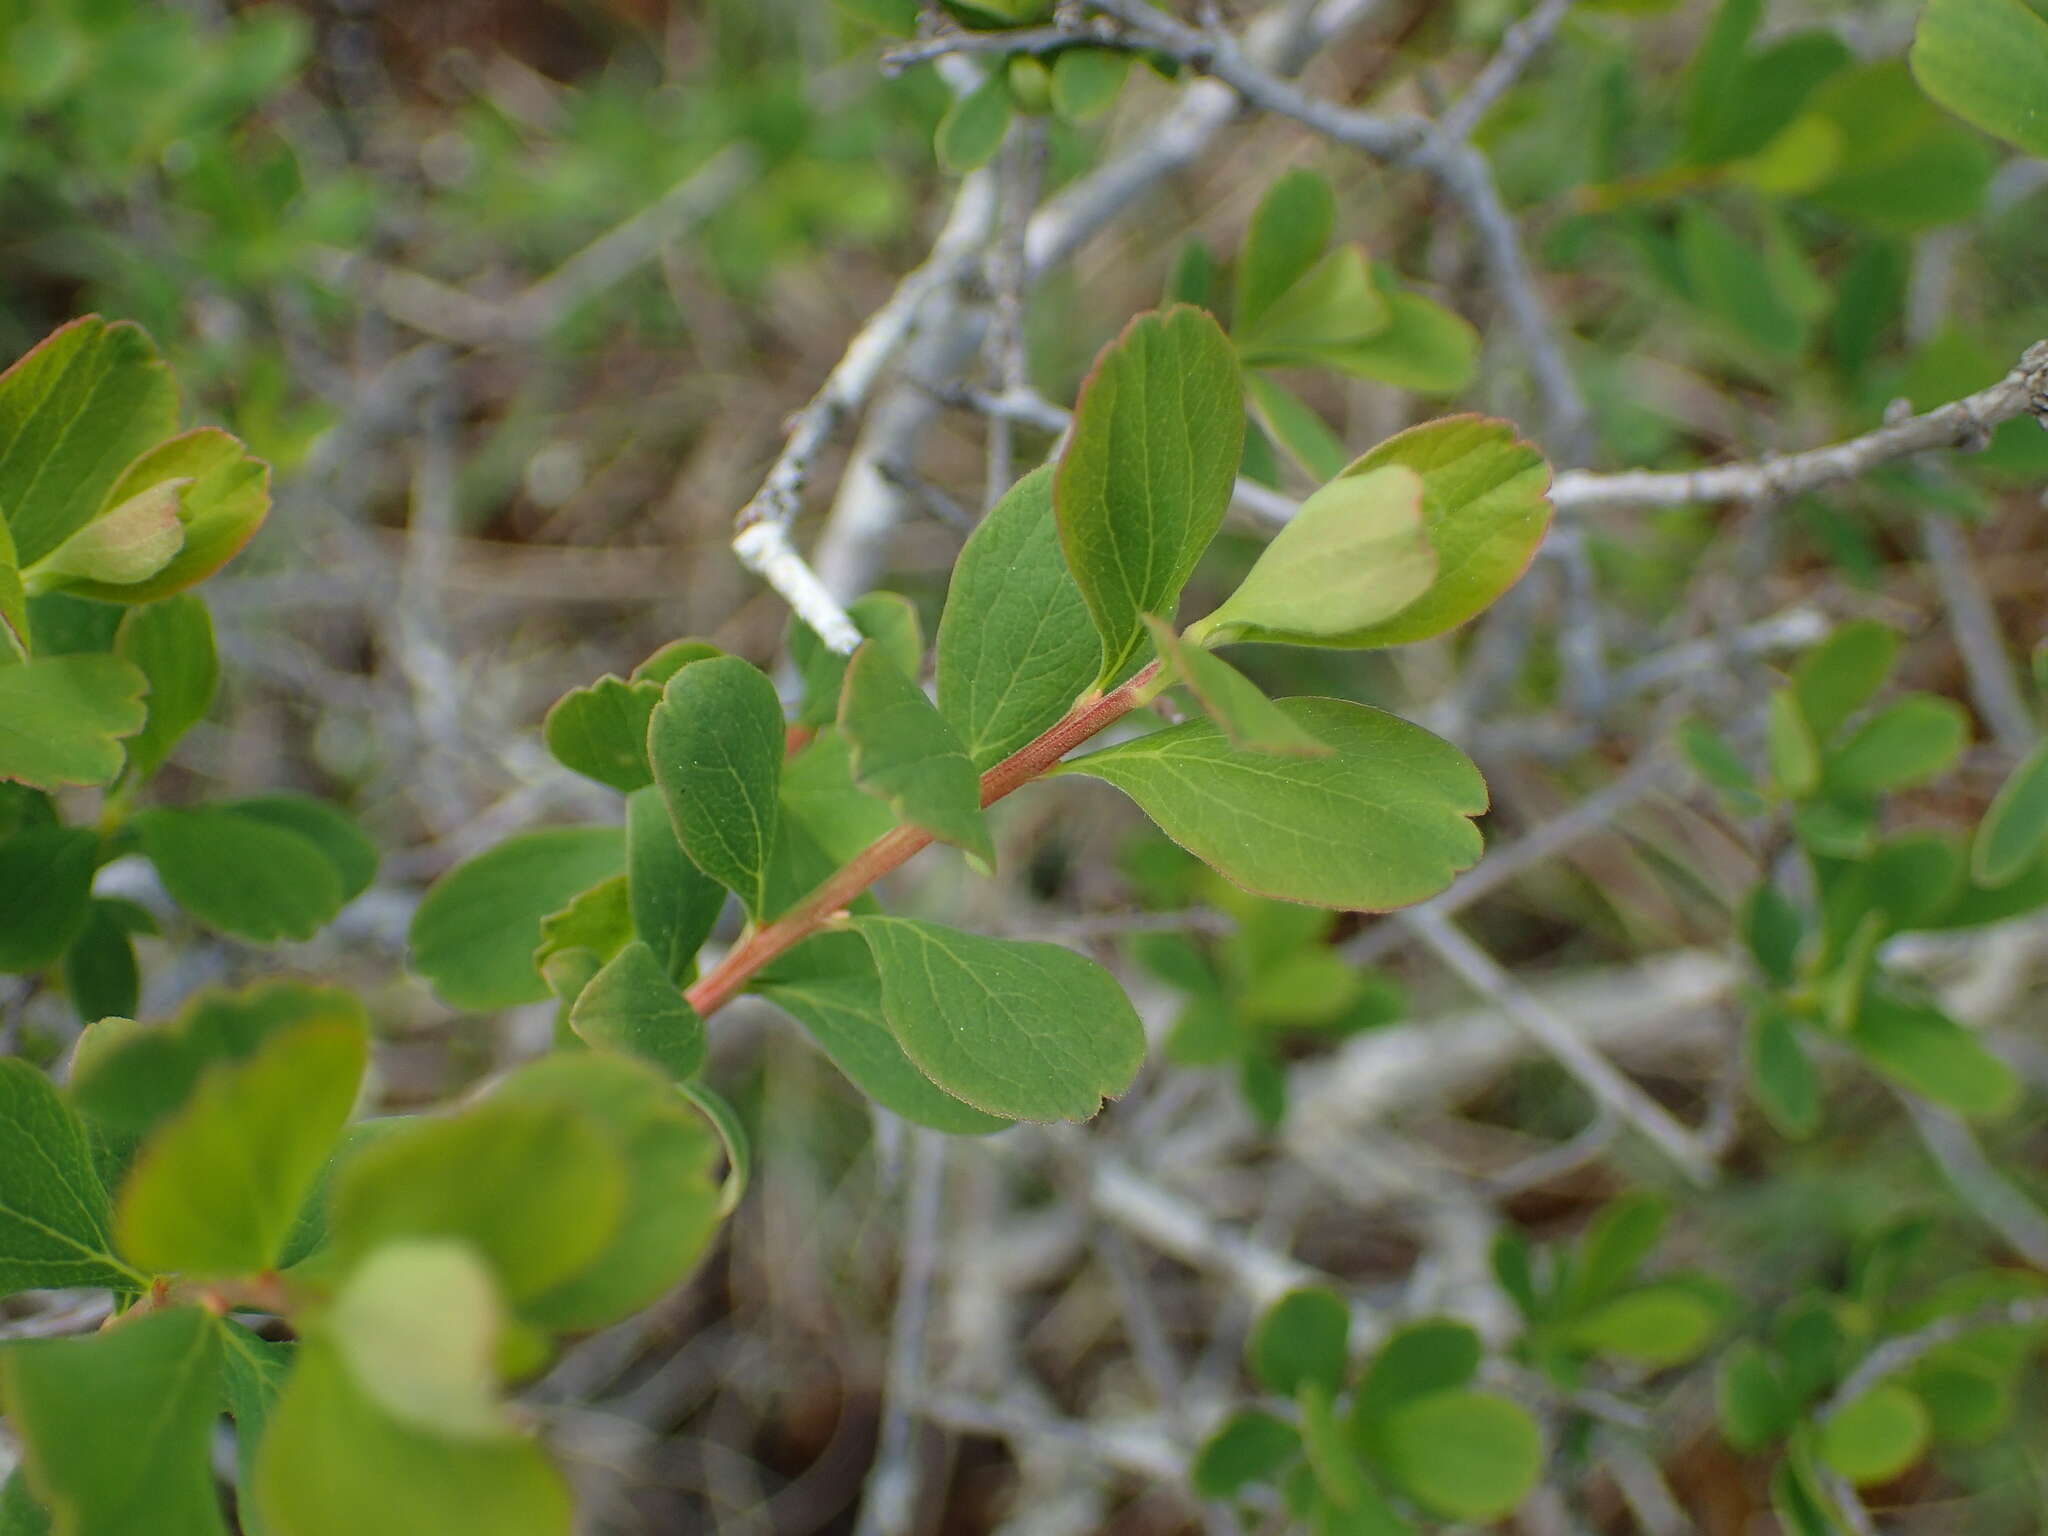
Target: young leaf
<point x="62" y="719"/>
<point x="1423" y="346"/>
<point x="78" y="407"/>
<point x="1876" y="1437"/>
<point x="1910" y="742"/>
<point x="904" y="753"/>
<point x="100" y="974"/>
<point x="1617" y="1243"/>
<point x="1015" y="645"/>
<point x="1380" y="824"/>
<point x="1794" y="759"/>
<point x="671" y="1204"/>
<point x="673" y="903"/>
<point x="334" y="1463"/>
<point x="171" y="644"/>
<point x="417" y="1324"/>
<point x="830" y="986"/>
<point x="1752" y="1403"/>
<point x="125" y="544"/>
<point x="632" y="1006"/>
<point x="1782" y="1075"/>
<point x="972" y="130"/>
<point x="1842" y="674"/>
<point x="1418" y="1360"/>
<point x="242" y="874"/>
<point x="474" y="934"/>
<point x="2014" y="832"/>
<point x="1485" y="506"/>
<point x="252" y="1376"/>
<point x="45" y="893"/>
<point x="1928" y="1052"/>
<point x="1148" y="472"/>
<point x="1289" y="232"/>
<point x="1303" y="1338"/>
<point x="601" y="732"/>
<point x="1987" y="62"/>
<point x="117" y="1426"/>
<point x="54" y="1223"/>
<point x="224" y="498"/>
<point x="1772" y="930"/>
<point x="887" y="618"/>
<point x="1294" y="425"/>
<point x="1353" y="557"/>
<point x="1025" y="1030"/>
<point x="716" y="743"/>
<point x="1335" y="301"/>
<point x="1085" y="81"/>
<point x="1463" y="1455"/>
<point x="1656" y="1325"/>
<point x="216" y="1188"/>
<point x="536" y="1188"/>
<point x="1251" y="721"/>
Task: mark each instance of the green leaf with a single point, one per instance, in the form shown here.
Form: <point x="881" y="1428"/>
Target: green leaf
<point x="1484" y="511"/>
<point x="417" y="1324"/>
<point x="716" y="741"/>
<point x="593" y="927"/>
<point x="223" y="498"/>
<point x="55" y="1230"/>
<point x="732" y="1135"/>
<point x="1794" y="758"/>
<point x="898" y="18"/>
<point x="244" y="875"/>
<point x="904" y="753"/>
<point x="1418" y="1360"/>
<point x="1015" y="644"/>
<point x="100" y="974"/>
<point x="1463" y="1455"/>
<point x="1617" y="1243"/>
<point x="972" y="130"/>
<point x="333" y="1463"/>
<point x="1782" y="1076"/>
<point x="632" y="1006"/>
<point x="78" y="407"/>
<point x="340" y="840"/>
<point x="1752" y="1403"/>
<point x="1335" y="301"/>
<point x="20" y="1514"/>
<point x="1423" y="346"/>
<point x="1331" y="1459"/>
<point x="217" y="1187"/>
<point x="1657" y="1325"/>
<point x="1710" y="84"/>
<point x="15" y="634"/>
<point x="1148" y="471"/>
<point x="1024" y="1030"/>
<point x="888" y="618"/>
<point x="1728" y="277"/>
<point x="818" y="790"/>
<point x="1085" y="81"/>
<point x="536" y="1187"/>
<point x="1250" y="1447"/>
<point x="1289" y="232"/>
<point x="1250" y="720"/>
<point x="1714" y="760"/>
<point x="1877" y="1436"/>
<point x="1380" y="824"/>
<point x="1766" y="91"/>
<point x="1303" y="1338"/>
<point x="671" y="1206"/>
<point x="1987" y="62"/>
<point x="45" y="893"/>
<point x="117" y="1427"/>
<point x="1842" y="674"/>
<point x="1910" y="742"/>
<point x="1904" y="167"/>
<point x="474" y="934"/>
<point x="1923" y="1049"/>
<point x="674" y="904"/>
<point x="171" y="644"/>
<point x="62" y="719"/>
<point x="601" y="732"/>
<point x="1772" y="930"/>
<point x="830" y="986"/>
<point x="1351" y="559"/>
<point x="2014" y="832"/>
<point x="252" y="1376"/>
<point x="1295" y="426"/>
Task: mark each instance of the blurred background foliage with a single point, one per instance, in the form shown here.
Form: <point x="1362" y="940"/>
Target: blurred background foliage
<point x="373" y="240"/>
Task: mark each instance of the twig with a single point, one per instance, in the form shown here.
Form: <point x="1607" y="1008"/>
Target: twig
<point x="958" y="40"/>
<point x="1612" y="1091"/>
<point x="1895" y="1355"/>
<point x="1520" y="44"/>
<point x="1994" y="682"/>
<point x="1965" y="423"/>
<point x="2000" y="1203"/>
<point x="889" y="1507"/>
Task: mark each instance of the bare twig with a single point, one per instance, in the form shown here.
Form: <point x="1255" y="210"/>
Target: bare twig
<point x="1521" y="43"/>
<point x="890" y="1506"/>
<point x="1895" y="1355"/>
<point x="1994" y="681"/>
<point x="1995" y="1198"/>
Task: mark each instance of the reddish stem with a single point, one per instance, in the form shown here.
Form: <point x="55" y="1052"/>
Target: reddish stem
<point x="730" y="976"/>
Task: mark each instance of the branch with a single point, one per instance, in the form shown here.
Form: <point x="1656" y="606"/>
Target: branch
<point x="894" y="848"/>
<point x="1966" y="423"/>
<point x="1894" y="1355"/>
<point x="1521" y="43"/>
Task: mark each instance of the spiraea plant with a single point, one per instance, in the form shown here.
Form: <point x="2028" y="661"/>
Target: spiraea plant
<point x="406" y="1273"/>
